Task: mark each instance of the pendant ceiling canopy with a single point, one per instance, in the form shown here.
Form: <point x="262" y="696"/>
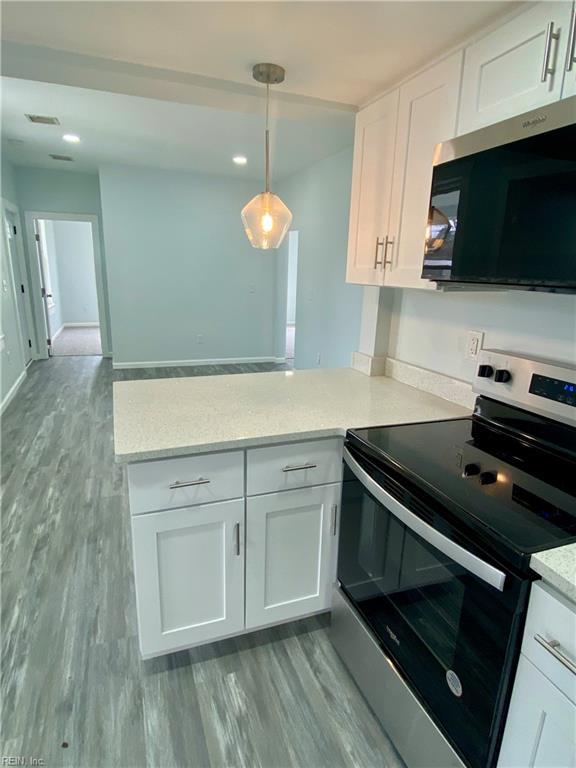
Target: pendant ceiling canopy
<point x="266" y="218"/>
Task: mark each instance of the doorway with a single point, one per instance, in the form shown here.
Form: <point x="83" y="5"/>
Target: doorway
<point x="291" y="287"/>
<point x="67" y="258"/>
<point x="20" y="281"/>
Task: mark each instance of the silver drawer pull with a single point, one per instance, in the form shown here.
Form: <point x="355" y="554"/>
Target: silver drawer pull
<point x="553" y="647"/>
<point x="187" y="483"/>
<point x="298" y="467"/>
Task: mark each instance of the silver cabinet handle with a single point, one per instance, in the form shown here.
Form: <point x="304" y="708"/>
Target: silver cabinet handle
<point x="379" y="243"/>
<point x="186" y="483"/>
<point x="553" y="647"/>
<point x="550" y="35"/>
<point x="298" y="467"/>
<point x="389" y="241"/>
<point x="237" y="537"/>
<point x="467" y="560"/>
<point x="334" y="519"/>
<point x="570" y="53"/>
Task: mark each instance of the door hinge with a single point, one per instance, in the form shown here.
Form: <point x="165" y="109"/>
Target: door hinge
<point x="15" y="230"/>
<point x="30" y="343"/>
<point x="49" y="342"/>
<point x="22" y="288"/>
<point x="37" y="237"/>
<point x="43" y="293"/>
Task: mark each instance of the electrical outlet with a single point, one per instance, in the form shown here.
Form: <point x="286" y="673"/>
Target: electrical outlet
<point x="200" y="338"/>
<point x="318" y="359"/>
<point x="474" y="341"/>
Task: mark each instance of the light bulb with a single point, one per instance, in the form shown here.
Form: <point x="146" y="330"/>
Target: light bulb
<point x="267" y="222"/>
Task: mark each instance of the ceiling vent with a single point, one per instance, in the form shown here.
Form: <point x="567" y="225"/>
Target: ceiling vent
<point x="43" y="119"/>
<point x="62" y="157"/>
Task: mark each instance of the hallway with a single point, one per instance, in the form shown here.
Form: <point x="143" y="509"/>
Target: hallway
<point x="77" y="340"/>
<point x="74" y="690"/>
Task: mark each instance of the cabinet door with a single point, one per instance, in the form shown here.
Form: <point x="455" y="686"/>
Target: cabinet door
<point x="503" y="72"/>
<point x="541" y="726"/>
<point x="289" y="538"/>
<point x="569" y="63"/>
<point x="426" y="116"/>
<point x="371" y="187"/>
<point x="189" y="574"/>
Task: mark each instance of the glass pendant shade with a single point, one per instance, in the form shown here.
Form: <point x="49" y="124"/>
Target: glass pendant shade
<point x="266" y="220"/>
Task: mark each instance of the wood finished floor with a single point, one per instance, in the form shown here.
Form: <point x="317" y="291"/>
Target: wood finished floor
<point x="71" y="672"/>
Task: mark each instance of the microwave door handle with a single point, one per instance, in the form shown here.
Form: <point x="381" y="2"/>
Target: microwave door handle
<point x="475" y="565"/>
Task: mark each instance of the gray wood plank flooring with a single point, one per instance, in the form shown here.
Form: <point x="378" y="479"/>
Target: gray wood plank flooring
<point x="74" y="690"/>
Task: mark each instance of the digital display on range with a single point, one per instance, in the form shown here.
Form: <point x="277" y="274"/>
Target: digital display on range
<point x="554" y="389"/>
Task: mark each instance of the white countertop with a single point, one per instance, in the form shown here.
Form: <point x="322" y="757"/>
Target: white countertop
<point x="558" y="568"/>
<point x="158" y="418"/>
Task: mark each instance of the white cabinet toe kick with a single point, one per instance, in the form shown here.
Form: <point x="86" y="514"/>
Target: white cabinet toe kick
<point x="229" y="542"/>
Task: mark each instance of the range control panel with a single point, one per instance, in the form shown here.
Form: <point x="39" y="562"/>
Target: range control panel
<point x="541" y="386"/>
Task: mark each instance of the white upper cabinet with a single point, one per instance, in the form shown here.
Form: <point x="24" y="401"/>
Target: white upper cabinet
<point x="517" y="67"/>
<point x="427" y="115"/>
<point x="569" y="87"/>
<point x="371" y="188"/>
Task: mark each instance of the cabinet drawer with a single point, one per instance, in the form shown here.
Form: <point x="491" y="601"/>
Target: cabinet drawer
<point x="186" y="481"/>
<point x="550" y="638"/>
<point x="279" y="468"/>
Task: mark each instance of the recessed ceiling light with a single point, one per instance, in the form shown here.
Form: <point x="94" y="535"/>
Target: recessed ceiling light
<point x="71" y="138"/>
<point x="239" y="159"/>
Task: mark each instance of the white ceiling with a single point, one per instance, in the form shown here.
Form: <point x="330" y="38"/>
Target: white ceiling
<point x="340" y="51"/>
<point x="118" y="128"/>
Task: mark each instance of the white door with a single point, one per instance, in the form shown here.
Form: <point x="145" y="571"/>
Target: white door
<point x="517" y="67"/>
<point x="21" y="288"/>
<point x="289" y="550"/>
<point x="541" y="726"/>
<point x="426" y="116"/>
<point x="189" y="574"/>
<point x="569" y="85"/>
<point x="371" y="188"/>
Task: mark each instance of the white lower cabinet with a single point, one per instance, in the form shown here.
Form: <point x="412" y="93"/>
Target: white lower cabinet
<point x="189" y="574"/>
<point x="541" y="726"/>
<point x="289" y="546"/>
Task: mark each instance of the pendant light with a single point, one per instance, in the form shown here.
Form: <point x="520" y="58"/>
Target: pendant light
<point x="265" y="218"/>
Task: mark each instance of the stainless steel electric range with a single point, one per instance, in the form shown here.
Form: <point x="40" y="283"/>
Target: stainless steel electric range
<point x="438" y="524"/>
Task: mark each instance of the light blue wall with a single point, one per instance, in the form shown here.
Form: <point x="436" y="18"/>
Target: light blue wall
<point x="328" y="310"/>
<point x="180" y="267"/>
<point x="8" y="182"/>
<point x="76" y="275"/>
<point x="55" y="191"/>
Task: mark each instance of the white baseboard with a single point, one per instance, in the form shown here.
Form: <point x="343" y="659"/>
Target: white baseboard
<point x="212" y="361"/>
<point x="12" y="391"/>
<point x="80" y="325"/>
<point x="58" y="332"/>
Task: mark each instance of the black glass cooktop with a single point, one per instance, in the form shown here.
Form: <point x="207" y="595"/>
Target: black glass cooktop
<point x="503" y="471"/>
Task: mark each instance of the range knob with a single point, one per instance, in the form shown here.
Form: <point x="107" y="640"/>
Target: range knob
<point x="502" y="375"/>
<point x="487" y="478"/>
<point x="471" y="470"/>
<point x="485" y="371"/>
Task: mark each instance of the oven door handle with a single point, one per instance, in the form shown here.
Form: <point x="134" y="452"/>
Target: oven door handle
<point x="483" y="570"/>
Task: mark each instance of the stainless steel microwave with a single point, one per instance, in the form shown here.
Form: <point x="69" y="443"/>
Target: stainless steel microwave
<point x="503" y="204"/>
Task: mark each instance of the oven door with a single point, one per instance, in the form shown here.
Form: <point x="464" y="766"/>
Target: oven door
<point x="448" y="616"/>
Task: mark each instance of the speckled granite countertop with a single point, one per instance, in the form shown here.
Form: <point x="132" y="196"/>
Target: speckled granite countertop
<point x="173" y="417"/>
<point x="558" y="568"/>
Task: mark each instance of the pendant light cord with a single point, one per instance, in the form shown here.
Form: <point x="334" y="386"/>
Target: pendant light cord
<point x="267" y="137"/>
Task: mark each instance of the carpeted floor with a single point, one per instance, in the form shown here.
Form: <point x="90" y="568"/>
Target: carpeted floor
<point x="77" y="340"/>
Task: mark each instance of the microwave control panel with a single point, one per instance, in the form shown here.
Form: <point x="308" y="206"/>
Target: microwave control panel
<point x="541" y="386"/>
